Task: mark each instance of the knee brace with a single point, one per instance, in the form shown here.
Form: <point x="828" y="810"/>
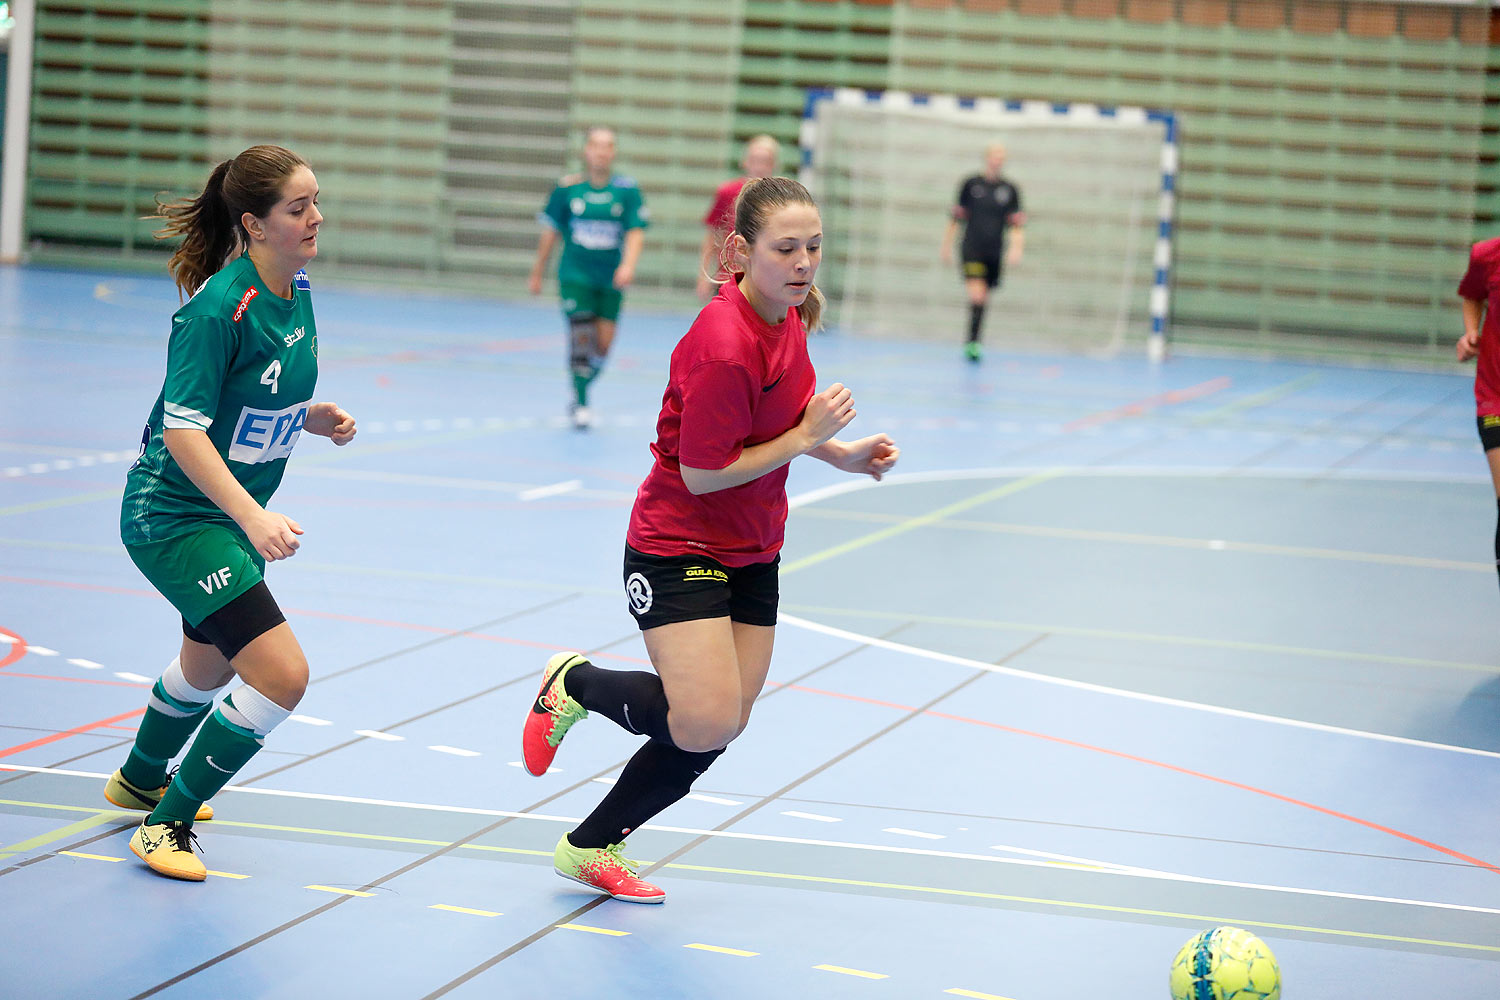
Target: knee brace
<point x="583" y="343"/>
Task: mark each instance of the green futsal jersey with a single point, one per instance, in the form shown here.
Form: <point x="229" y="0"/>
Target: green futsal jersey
<point x="242" y="363"/>
<point x="592" y="222"/>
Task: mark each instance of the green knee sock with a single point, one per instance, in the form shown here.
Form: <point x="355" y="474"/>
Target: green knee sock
<point x="220" y="750"/>
<point x="163" y="732"/>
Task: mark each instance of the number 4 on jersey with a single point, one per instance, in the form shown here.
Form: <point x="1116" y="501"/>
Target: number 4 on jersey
<point x="271" y="375"/>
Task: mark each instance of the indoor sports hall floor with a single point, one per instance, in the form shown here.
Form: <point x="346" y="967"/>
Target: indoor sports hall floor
<point x="1123" y="652"/>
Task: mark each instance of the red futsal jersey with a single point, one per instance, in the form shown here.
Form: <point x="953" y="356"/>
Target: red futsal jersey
<point x="735" y="381"/>
<point x="1482" y="282"/>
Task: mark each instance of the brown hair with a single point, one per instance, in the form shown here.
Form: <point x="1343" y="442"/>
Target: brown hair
<point x="756" y="201"/>
<point x="210" y="223"/>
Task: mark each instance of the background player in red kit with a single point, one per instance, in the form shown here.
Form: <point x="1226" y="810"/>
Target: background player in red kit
<point x="989" y="206"/>
<point x="1479" y="294"/>
<point x="702" y="548"/>
<point x="761" y="154"/>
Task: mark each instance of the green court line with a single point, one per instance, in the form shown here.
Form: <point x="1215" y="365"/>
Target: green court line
<point x="923" y="520"/>
<point x="42" y="840"/>
<point x="1262" y="398"/>
<point x="821" y="879"/>
<point x="1167" y="640"/>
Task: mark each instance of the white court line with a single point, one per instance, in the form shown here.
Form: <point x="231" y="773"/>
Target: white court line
<point x="556" y="489"/>
<point x="903" y="832"/>
<point x="1197" y="706"/>
<point x="455" y="751"/>
<point x="794" y="814"/>
<point x="308" y="720"/>
<point x="376" y="734"/>
<point x="86" y="664"/>
<point x="126" y="675"/>
<point x="40" y="650"/>
<point x="1099" y="867"/>
<point x="714" y="799"/>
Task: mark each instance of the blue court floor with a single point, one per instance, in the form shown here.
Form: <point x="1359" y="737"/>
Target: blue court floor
<point x="1122" y="652"/>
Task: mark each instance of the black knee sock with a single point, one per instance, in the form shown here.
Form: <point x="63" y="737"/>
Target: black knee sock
<point x="653" y="779"/>
<point x="634" y="699"/>
<point x="1497" y="535"/>
<point x="976" y="318"/>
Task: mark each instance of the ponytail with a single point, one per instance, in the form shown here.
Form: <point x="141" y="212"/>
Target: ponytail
<point x="210" y="225"/>
<point x="207" y="230"/>
<point x="758" y="198"/>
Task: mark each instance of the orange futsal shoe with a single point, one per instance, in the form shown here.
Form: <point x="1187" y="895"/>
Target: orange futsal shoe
<point x="552" y="714"/>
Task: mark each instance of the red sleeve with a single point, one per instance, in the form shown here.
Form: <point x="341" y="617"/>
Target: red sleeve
<point x="718" y="406"/>
<point x="1476" y="280"/>
<point x="719" y="215"/>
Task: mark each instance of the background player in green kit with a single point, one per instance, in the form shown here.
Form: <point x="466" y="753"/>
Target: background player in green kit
<point x="601" y="220"/>
<point x="242" y="361"/>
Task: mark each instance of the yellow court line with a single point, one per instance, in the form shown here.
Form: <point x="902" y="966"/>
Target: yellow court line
<point x="1165" y="639"/>
<point x="923" y="520"/>
<point x="723" y="951"/>
<point x="1166" y="541"/>
<point x="42" y="840"/>
<point x="1261" y="398"/>
<point x="851" y="972"/>
<point x="594" y="930"/>
<point x="976" y="995"/>
<point x="338" y="891"/>
<point x="226" y="874"/>
<point x="826" y="880"/>
<point x="77" y="498"/>
<point x="465" y="909"/>
<point x="1073" y="904"/>
<point x="91" y="857"/>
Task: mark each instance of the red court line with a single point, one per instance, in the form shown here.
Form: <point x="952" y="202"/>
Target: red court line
<point x="1368" y="824"/>
<point x="75" y="731"/>
<point x="17" y="649"/>
<point x="1140" y="406"/>
<point x="77" y="680"/>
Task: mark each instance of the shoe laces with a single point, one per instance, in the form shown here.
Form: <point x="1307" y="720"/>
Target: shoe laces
<point x="182" y="836"/>
<point x="617" y="854"/>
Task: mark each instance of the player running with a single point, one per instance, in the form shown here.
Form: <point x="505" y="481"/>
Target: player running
<point x="705" y="534"/>
<point x="601" y="219"/>
<point x="989" y="206"/>
<point x="1479" y="298"/>
<point x="242" y="361"/>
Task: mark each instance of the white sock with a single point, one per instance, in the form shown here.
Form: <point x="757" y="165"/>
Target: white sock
<point x="249" y="709"/>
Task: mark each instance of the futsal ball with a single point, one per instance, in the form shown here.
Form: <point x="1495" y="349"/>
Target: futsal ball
<point x="1225" y="963"/>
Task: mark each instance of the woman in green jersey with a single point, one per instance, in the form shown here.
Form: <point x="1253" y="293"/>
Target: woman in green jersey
<point x="242" y="361"/>
<point x="600" y="218"/>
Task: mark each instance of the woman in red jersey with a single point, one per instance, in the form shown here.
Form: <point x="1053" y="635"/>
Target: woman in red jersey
<point x="1479" y="295"/>
<point x="702" y="549"/>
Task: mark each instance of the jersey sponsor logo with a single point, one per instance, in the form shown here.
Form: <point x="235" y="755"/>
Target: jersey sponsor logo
<point x="704" y="573"/>
<point x="266" y="435"/>
<point x="217" y="580"/>
<point x="596" y="234"/>
<point x="576" y="206"/>
<point x="638" y="589"/>
<point x="294" y="336"/>
<point x="1493" y="421"/>
<point x="599" y="197"/>
<point x="239" y="311"/>
<point x="299" y="280"/>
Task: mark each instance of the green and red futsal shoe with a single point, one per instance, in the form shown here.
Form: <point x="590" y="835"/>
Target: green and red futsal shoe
<point x="127" y="796"/>
<point x="552" y="714"/>
<point x="605" y="869"/>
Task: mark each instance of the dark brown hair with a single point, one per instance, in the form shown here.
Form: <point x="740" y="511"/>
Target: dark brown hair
<point x="210" y="224"/>
<point x="756" y="201"/>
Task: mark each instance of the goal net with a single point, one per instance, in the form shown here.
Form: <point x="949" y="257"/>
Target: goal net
<point x="1095" y="187"/>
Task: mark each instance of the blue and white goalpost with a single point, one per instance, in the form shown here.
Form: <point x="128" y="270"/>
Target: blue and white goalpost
<point x="1098" y="187"/>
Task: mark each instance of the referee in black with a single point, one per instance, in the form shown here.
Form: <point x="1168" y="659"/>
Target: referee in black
<point x="989" y="206"/>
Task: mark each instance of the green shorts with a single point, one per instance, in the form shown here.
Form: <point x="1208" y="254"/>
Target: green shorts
<point x="200" y="571"/>
<point x="591" y="300"/>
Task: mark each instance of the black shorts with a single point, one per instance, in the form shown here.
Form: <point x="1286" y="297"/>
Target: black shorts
<point x="667" y="589"/>
<point x="1489" y="432"/>
<point x="986" y="267"/>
